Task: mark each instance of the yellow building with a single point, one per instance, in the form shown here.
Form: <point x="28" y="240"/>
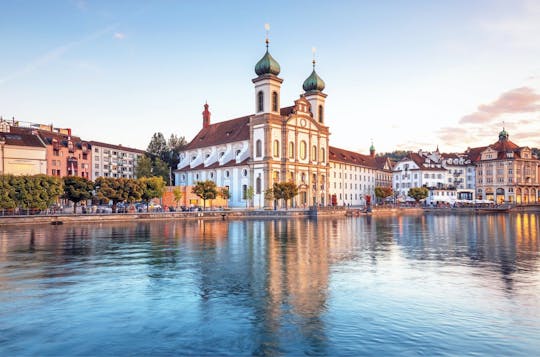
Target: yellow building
<point x="21" y="154"/>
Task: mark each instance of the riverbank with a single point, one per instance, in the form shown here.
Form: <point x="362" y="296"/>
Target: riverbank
<point x="70" y="218"/>
<point x="208" y="215"/>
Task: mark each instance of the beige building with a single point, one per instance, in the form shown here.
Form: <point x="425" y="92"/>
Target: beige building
<point x="113" y="160"/>
<point x="21" y="154"/>
<point x="506" y="172"/>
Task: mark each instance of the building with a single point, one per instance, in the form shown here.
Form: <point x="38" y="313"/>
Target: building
<point x="506" y="172"/>
<point x="353" y="176"/>
<point x="273" y="145"/>
<point x="21" y="154"/>
<point x="449" y="177"/>
<point x="66" y="154"/>
<point x="113" y="160"/>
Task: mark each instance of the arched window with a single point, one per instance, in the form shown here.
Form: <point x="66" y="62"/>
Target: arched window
<point x="260" y="102"/>
<point x="258" y="148"/>
<point x="276" y="148"/>
<point x="291" y="150"/>
<point x="274" y="102"/>
<point x="258" y="186"/>
<point x="323" y="155"/>
<point x="276" y="176"/>
<point x="303" y="149"/>
<point x="314" y="153"/>
<point x="321" y="110"/>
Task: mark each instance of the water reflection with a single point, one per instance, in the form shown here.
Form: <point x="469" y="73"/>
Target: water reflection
<point x="326" y="286"/>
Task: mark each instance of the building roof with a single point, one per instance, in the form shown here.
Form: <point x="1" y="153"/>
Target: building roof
<point x="351" y="157"/>
<point x="223" y="132"/>
<point x="116" y="147"/>
<point x="21" y="139"/>
<point x="502" y="147"/>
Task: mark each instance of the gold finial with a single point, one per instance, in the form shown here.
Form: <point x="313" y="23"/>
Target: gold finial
<point x="313" y="50"/>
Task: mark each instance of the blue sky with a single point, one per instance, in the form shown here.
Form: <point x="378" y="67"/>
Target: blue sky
<point x="407" y="74"/>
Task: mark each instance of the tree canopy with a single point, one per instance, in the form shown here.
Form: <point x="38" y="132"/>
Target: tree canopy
<point x="29" y="191"/>
<point x="206" y="190"/>
<point x="151" y="187"/>
<point x="418" y="193"/>
<point x="77" y="189"/>
<point x="383" y="192"/>
<point x="284" y="191"/>
<point x="118" y="190"/>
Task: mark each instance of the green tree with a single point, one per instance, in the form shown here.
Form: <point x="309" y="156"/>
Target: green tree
<point x="248" y="195"/>
<point x="161" y="168"/>
<point x="7" y="193"/>
<point x="418" y="193"/>
<point x="225" y="194"/>
<point x="206" y="190"/>
<point x="284" y="191"/>
<point x="143" y="167"/>
<point x="158" y="147"/>
<point x="175" y="144"/>
<point x="177" y="193"/>
<point x="382" y="192"/>
<point x="117" y="190"/>
<point x="77" y="189"/>
<point x="151" y="187"/>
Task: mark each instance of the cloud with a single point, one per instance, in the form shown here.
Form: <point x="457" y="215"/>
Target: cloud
<point x="119" y="35"/>
<point x="519" y="100"/>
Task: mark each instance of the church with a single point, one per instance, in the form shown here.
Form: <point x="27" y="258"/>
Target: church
<point x="277" y="144"/>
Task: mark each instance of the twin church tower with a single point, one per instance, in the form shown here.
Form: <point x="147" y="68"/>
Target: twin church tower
<point x="275" y="144"/>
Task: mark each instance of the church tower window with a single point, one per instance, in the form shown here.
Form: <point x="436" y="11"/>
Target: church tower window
<point x="258" y="148"/>
<point x="303" y="149"/>
<point x="321" y="112"/>
<point x="276" y="148"/>
<point x="260" y="101"/>
<point x="291" y="150"/>
<point x="274" y="101"/>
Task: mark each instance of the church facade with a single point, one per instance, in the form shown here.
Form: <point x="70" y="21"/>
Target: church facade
<point x="275" y="144"/>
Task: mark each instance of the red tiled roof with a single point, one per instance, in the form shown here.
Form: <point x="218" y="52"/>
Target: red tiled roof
<point x="502" y="147"/>
<point x="221" y="133"/>
<point x="350" y="157"/>
<point x="287" y="110"/>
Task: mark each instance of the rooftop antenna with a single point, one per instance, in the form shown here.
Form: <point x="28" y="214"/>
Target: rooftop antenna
<point x="267" y="28"/>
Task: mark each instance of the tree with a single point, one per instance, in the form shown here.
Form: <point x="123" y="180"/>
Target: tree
<point x="206" y="190"/>
<point x="284" y="191"/>
<point x="158" y="147"/>
<point x="177" y="193"/>
<point x="175" y="144"/>
<point x="143" y="167"/>
<point x="31" y="192"/>
<point x="77" y="189"/>
<point x="225" y="193"/>
<point x="160" y="168"/>
<point x="248" y="194"/>
<point x="117" y="190"/>
<point x="151" y="187"/>
<point x="418" y="193"/>
<point x="382" y="192"/>
<point x="7" y="193"/>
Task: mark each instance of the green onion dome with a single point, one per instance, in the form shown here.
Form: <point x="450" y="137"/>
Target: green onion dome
<point x="313" y="83"/>
<point x="372" y="148"/>
<point x="267" y="65"/>
<point x="503" y="135"/>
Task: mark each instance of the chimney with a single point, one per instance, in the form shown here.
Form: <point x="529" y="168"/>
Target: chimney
<point x="206" y="116"/>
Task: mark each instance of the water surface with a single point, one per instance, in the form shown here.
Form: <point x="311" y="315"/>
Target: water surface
<point x="408" y="285"/>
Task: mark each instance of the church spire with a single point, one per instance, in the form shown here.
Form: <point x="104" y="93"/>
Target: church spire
<point x="206" y="116"/>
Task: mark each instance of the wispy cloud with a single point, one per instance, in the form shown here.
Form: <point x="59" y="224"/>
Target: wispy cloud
<point x="55" y="54"/>
<point x="519" y="100"/>
<point x="119" y="35"/>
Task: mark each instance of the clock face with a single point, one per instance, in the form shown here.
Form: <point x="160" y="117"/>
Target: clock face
<point x="302" y="122"/>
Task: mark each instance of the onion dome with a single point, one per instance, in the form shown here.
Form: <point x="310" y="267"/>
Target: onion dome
<point x="503" y="135"/>
<point x="267" y="64"/>
<point x="313" y="83"/>
<point x="372" y="148"/>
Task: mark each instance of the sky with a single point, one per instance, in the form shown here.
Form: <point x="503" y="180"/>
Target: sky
<point x="407" y="75"/>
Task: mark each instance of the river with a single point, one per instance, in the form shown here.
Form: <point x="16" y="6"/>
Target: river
<point x="397" y="285"/>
